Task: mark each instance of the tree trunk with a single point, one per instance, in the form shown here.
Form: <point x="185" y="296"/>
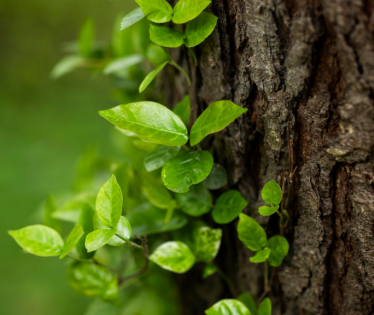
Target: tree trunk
<point x="305" y="71"/>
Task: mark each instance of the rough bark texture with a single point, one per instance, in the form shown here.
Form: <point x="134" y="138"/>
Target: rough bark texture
<point x="308" y="66"/>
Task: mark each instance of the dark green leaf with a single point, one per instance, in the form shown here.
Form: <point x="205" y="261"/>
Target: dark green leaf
<point x="207" y="242"/>
<point x="248" y="300"/>
<point x="187" y="10"/>
<point x="118" y="65"/>
<point x="151" y="121"/>
<point x="123" y="229"/>
<point x="272" y="193"/>
<point x="72" y="240"/>
<point x="215" y="118"/>
<point x="228" y="206"/>
<point x="279" y="249"/>
<point x="217" y="178"/>
<point x="266" y="211"/>
<point x="132" y="18"/>
<point x="261" y="256"/>
<point x="98" y="238"/>
<point x="66" y="65"/>
<point x="199" y="29"/>
<point x="86" y="221"/>
<point x="209" y="270"/>
<point x="149" y="78"/>
<point x="251" y="233"/>
<point x="196" y="202"/>
<point x="183" y="109"/>
<point x="265" y="307"/>
<point x="157" y="194"/>
<point x="159" y="156"/>
<point x="49" y="220"/>
<point x="186" y="169"/>
<point x="158" y="11"/>
<point x="228" y="307"/>
<point x="86" y="38"/>
<point x="165" y="36"/>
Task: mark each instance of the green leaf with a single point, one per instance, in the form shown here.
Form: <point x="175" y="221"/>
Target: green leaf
<point x="149" y="78"/>
<point x="151" y="121"/>
<point x="123" y="229"/>
<point x="207" y="242"/>
<point x="165" y="36"/>
<point x="39" y="240"/>
<point x="266" y="211"/>
<point x="133" y="17"/>
<point x="94" y="281"/>
<point x="86" y="38"/>
<point x="144" y="145"/>
<point x="217" y="178"/>
<point x="124" y="63"/>
<point x="261" y="256"/>
<point x="228" y="206"/>
<point x="215" y="118"/>
<point x="228" y="307"/>
<point x="196" y="202"/>
<point x="86" y="221"/>
<point x="265" y="307"/>
<point x="279" y="249"/>
<point x="109" y="203"/>
<point x="272" y="193"/>
<point x="157" y="194"/>
<point x="183" y="109"/>
<point x="66" y="65"/>
<point x="199" y="29"/>
<point x="156" y="55"/>
<point x="98" y="238"/>
<point x="72" y="240"/>
<point x="209" y="270"/>
<point x="186" y="169"/>
<point x="157" y="11"/>
<point x="251" y="233"/>
<point x="49" y="220"/>
<point x="187" y="10"/>
<point x="159" y="156"/>
<point x="248" y="300"/>
<point x="174" y="256"/>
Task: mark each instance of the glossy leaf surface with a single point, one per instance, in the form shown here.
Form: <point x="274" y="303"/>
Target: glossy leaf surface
<point x="266" y="211"/>
<point x="165" y="36"/>
<point x="279" y="249"/>
<point x="158" y="11"/>
<point x="149" y="78"/>
<point x="150" y="121"/>
<point x="174" y="256"/>
<point x="187" y="10"/>
<point x="72" y="240"/>
<point x="248" y="300"/>
<point x="217" y="178"/>
<point x="199" y="29"/>
<point x="196" y="202"/>
<point x="124" y="63"/>
<point x="49" y="211"/>
<point x="265" y="307"/>
<point x="228" y="307"/>
<point x="39" y="240"/>
<point x="215" y="118"/>
<point x="261" y="256"/>
<point x="209" y="270"/>
<point x="123" y="229"/>
<point x="98" y="238"/>
<point x="185" y="169"/>
<point x="228" y="206"/>
<point x="132" y="18"/>
<point x="183" y="109"/>
<point x="159" y="156"/>
<point x="272" y="193"/>
<point x="251" y="233"/>
<point x="207" y="242"/>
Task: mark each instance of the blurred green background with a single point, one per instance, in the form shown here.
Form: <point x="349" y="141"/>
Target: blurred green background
<point x="44" y="127"/>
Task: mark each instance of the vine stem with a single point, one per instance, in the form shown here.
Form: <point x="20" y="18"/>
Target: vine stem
<point x="227" y="280"/>
<point x="266" y="282"/>
<point x="173" y="63"/>
<point x="132" y="244"/>
<point x="92" y="261"/>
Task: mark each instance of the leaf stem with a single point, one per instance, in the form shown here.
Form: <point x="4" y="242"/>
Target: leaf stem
<point x="132" y="244"/>
<point x="193" y="56"/>
<point x="92" y="261"/>
<point x="227" y="280"/>
<point x="173" y="63"/>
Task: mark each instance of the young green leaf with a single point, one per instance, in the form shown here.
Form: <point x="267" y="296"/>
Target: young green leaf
<point x="207" y="242"/>
<point x="266" y="211"/>
<point x="228" y="307"/>
<point x="151" y="121"/>
<point x="94" y="281"/>
<point x="86" y="221"/>
<point x="183" y="109"/>
<point x="265" y="307"/>
<point x="187" y="10"/>
<point x="123" y="230"/>
<point x="133" y="17"/>
<point x="149" y="78"/>
<point x="121" y="64"/>
<point x="72" y="240"/>
<point x="109" y="203"/>
<point x="261" y="256"/>
<point x="159" y="156"/>
<point x="165" y="36"/>
<point x="157" y="11"/>
<point x="248" y="300"/>
<point x="215" y="118"/>
<point x="49" y="220"/>
<point x="39" y="240"/>
<point x="86" y="38"/>
<point x="174" y="256"/>
<point x="272" y="193"/>
<point x="209" y="270"/>
<point x="279" y="249"/>
<point x="228" y="206"/>
<point x="217" y="178"/>
<point x="186" y="169"/>
<point x="98" y="238"/>
<point x="195" y="202"/>
<point x="66" y="65"/>
<point x="199" y="29"/>
<point x="251" y="233"/>
<point x="157" y="194"/>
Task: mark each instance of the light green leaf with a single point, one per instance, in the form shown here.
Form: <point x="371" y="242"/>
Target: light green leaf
<point x="98" y="238"/>
<point x="157" y="194"/>
<point x="66" y="65"/>
<point x="157" y="11"/>
<point x="86" y="221"/>
<point x="156" y="54"/>
<point x="123" y="229"/>
<point x="183" y="109"/>
<point x="186" y="169"/>
<point x="187" y="10"/>
<point x="209" y="270"/>
<point x="266" y="211"/>
<point x="251" y="233"/>
<point x="133" y="17"/>
<point x="72" y="240"/>
<point x="174" y="256"/>
<point x="228" y="307"/>
<point x="272" y="193"/>
<point x="265" y="307"/>
<point x="261" y="256"/>
<point x="196" y="202"/>
<point x="228" y="206"/>
<point x="159" y="156"/>
<point x="144" y="145"/>
<point x="49" y="220"/>
<point x="217" y="178"/>
<point x="149" y="78"/>
<point x="109" y="203"/>
<point x="207" y="242"/>
<point x="39" y="240"/>
<point x="150" y="121"/>
<point x="248" y="300"/>
<point x="215" y="118"/>
<point x="199" y="29"/>
<point x="124" y="63"/>
<point x="279" y="249"/>
<point x="86" y="38"/>
<point x="94" y="281"/>
<point x="165" y="36"/>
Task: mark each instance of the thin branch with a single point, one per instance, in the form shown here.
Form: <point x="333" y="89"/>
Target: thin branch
<point x="92" y="261"/>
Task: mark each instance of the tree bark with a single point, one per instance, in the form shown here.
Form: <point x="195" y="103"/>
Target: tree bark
<point x="305" y="71"/>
